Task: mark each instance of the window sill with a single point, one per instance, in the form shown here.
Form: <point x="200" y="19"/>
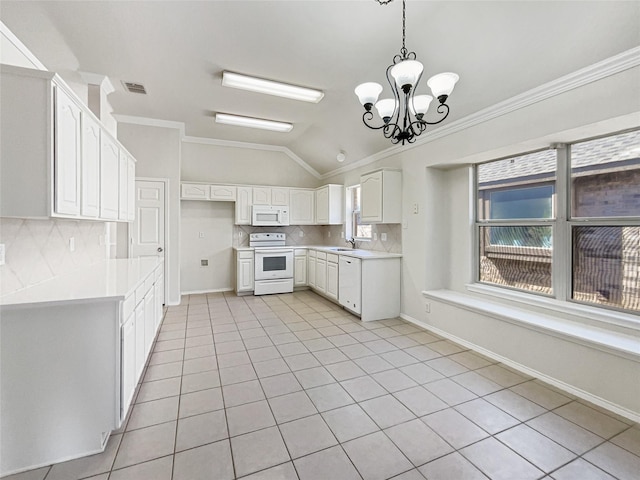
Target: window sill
<point x="600" y="336"/>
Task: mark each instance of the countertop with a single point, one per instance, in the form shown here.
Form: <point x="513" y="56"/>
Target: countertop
<point x="357" y="253"/>
<point x="107" y="280"/>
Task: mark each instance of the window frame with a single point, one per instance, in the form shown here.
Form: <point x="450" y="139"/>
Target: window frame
<point x="562" y="223"/>
<point x="351" y="227"/>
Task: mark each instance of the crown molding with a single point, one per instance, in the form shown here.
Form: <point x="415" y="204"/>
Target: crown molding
<point x="606" y="68"/>
<point x="254" y="146"/>
<point x="21" y="47"/>
<point x="98" y="79"/>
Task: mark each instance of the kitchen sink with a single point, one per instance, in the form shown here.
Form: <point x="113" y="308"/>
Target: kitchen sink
<point x="340" y="249"/>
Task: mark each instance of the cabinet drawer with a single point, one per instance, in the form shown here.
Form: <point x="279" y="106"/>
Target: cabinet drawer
<point x="332" y="257"/>
<point x="312" y="254"/>
<point x="245" y="254"/>
<point x="321" y="255"/>
<point x="128" y="306"/>
<point x="300" y="252"/>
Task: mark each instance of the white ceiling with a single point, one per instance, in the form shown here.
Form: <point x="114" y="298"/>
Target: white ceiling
<point x="179" y="49"/>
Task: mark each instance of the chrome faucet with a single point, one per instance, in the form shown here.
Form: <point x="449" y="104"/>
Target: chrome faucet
<point x="352" y="242"/>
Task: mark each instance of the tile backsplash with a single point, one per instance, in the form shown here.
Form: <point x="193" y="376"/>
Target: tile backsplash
<point x="325" y="235"/>
<point x="38" y="250"/>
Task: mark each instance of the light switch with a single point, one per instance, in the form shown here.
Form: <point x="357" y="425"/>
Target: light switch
<point x="383" y="237"/>
<point x="301" y="234"/>
<point x="1" y="253"/>
<point x="72" y="244"/>
<point x="375" y="236"/>
<point x="201" y="234"/>
<point x="415" y="208"/>
<point x="341" y="234"/>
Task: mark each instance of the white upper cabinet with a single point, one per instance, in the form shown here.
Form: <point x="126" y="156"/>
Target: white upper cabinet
<point x="109" y="176"/>
<point x="123" y="189"/>
<point x="301" y="206"/>
<point x="261" y="196"/>
<point x="195" y="191"/>
<point x="381" y="197"/>
<point x="90" y="168"/>
<point x="222" y="193"/>
<point x="131" y="189"/>
<point x="56" y="158"/>
<point x="280" y="196"/>
<point x="243" y="205"/>
<point x="329" y="205"/>
<point x="68" y="148"/>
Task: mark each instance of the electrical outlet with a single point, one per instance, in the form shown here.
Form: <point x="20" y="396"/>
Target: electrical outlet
<point x="301" y="234"/>
<point x="341" y="234"/>
<point x="415" y="208"/>
<point x="72" y="244"/>
<point x="2" y="250"/>
<point x="204" y="263"/>
<point x="427" y="307"/>
<point x="240" y="234"/>
<point x="383" y="237"/>
<point x="329" y="234"/>
<point x="201" y="234"/>
<point x="375" y="236"/>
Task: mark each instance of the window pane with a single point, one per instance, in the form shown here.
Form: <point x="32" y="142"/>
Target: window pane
<point x="605" y="177"/>
<point x="606" y="266"/>
<point x="517" y="188"/>
<point x="517" y="257"/>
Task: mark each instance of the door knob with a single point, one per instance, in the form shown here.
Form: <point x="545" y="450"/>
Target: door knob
<point x="159" y="249"/>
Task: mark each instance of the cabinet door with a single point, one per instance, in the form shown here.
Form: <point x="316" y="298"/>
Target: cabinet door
<point x="280" y="196"/>
<point x="222" y="193"/>
<point x="321" y="275"/>
<point x="322" y="206"/>
<point x="68" y="148"/>
<point x="149" y="320"/>
<point x="261" y="195"/>
<point x="300" y="271"/>
<point x="301" y="206"/>
<point x="140" y="340"/>
<point x="243" y="206"/>
<point x="159" y="293"/>
<point x="371" y="197"/>
<point x="131" y="189"/>
<point x="194" y="191"/>
<point x="311" y="272"/>
<point x="245" y="275"/>
<point x="128" y="378"/>
<point x="123" y="187"/>
<point x="109" y="163"/>
<point x="332" y="280"/>
<point x="90" y="168"/>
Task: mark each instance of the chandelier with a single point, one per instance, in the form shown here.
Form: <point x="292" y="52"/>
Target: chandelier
<point x="403" y="116"/>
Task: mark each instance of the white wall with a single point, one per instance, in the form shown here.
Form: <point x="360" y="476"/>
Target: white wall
<point x="203" y="162"/>
<point x="214" y="220"/>
<point x="437" y="242"/>
<point x="157" y="151"/>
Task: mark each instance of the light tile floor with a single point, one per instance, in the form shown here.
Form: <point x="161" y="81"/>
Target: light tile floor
<point x="292" y="387"/>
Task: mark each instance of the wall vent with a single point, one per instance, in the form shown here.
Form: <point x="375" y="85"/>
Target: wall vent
<point x="135" y="87"/>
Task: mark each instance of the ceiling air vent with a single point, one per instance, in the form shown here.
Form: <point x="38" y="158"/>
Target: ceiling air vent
<point x="135" y="87"/>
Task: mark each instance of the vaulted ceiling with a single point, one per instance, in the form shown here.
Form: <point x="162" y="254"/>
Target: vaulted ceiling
<point x="179" y="49"/>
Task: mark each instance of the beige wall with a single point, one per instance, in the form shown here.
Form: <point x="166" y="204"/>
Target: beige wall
<point x="203" y="162"/>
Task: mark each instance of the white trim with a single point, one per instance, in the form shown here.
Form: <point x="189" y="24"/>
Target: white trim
<point x="254" y="146"/>
<point x="586" y="312"/>
<point x="98" y="79"/>
<point x="21" y="47"/>
<point x="200" y="292"/>
<point x="606" y="340"/>
<point x="631" y="415"/>
<point x="608" y="67"/>
<point x="150" y="122"/>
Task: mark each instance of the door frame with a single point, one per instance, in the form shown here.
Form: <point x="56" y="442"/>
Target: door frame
<point x="167" y="226"/>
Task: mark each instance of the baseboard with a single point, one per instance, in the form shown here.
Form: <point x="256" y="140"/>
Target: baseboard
<point x="624" y="412"/>
<point x="200" y="292"/>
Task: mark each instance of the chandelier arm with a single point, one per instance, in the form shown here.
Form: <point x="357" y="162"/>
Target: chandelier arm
<point x="369" y="116"/>
<point x="440" y="109"/>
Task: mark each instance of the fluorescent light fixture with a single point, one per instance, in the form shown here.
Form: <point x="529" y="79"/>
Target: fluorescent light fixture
<point x="253" y="84"/>
<point x="240" y="121"/>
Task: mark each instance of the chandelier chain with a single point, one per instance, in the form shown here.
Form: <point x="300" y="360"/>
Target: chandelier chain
<point x="404" y="18"/>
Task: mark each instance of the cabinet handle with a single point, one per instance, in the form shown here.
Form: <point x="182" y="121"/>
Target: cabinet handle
<point x="159" y="249"/>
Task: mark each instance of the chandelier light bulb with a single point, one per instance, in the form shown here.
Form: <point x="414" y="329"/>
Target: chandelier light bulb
<point x="407" y="72"/>
<point x="386" y="108"/>
<point x="442" y="84"/>
<point x="368" y="93"/>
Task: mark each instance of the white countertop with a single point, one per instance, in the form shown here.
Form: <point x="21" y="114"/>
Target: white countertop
<point x="108" y="280"/>
<point x="358" y="253"/>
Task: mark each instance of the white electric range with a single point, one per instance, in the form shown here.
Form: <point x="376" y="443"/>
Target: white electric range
<point x="273" y="263"/>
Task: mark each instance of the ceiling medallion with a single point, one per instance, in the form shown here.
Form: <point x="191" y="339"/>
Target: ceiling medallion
<point x="403" y="115"/>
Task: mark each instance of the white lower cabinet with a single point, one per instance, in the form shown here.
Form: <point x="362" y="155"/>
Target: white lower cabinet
<point x="321" y="272"/>
<point x="300" y="267"/>
<point x="311" y="268"/>
<point x="244" y="271"/>
<point x="128" y="381"/>
<point x="140" y="346"/>
<point x="332" y="277"/>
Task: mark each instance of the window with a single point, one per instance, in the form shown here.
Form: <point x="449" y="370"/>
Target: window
<point x="355" y="229"/>
<point x="573" y="236"/>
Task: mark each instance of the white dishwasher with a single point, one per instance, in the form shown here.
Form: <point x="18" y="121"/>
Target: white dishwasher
<point x="350" y="283"/>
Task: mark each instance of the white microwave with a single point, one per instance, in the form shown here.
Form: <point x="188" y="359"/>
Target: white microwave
<point x="269" y="216"/>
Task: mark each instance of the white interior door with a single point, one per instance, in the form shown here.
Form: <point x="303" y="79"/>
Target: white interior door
<point x="148" y="232"/>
